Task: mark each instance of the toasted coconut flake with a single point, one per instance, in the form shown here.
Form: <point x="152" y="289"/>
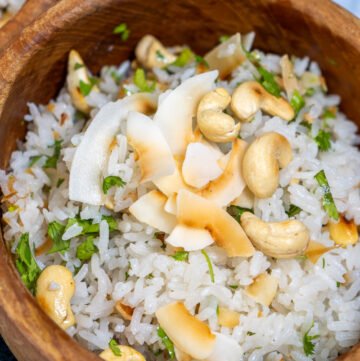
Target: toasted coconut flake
<point x="230" y="184"/>
<point x="263" y="289"/>
<point x="195" y="211"/>
<point x="344" y="232"/>
<point x="226" y="56"/>
<point x="182" y="356"/>
<point x="154" y="155"/>
<point x="91" y="155"/>
<point x="127" y="353"/>
<point x="189" y="238"/>
<point x="315" y="250"/>
<point x="245" y="199"/>
<point x="228" y="318"/>
<point x="149" y="209"/>
<point x="125" y="311"/>
<point x="170" y="205"/>
<point x="226" y="349"/>
<point x="200" y="165"/>
<point x="288" y="76"/>
<point x="188" y="334"/>
<point x="177" y="126"/>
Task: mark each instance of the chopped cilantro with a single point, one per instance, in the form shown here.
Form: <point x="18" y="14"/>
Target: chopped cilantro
<point x="323" y="140"/>
<point x="59" y="182"/>
<point x="12" y="208"/>
<point x="34" y="159"/>
<point x="112" y="181"/>
<point x="236" y="211"/>
<point x="141" y="82"/>
<point x="208" y="261"/>
<point x="293" y="210"/>
<point x="234" y="287"/>
<point x="78" y="66"/>
<point x="297" y="101"/>
<point x="328" y="114"/>
<point x="338" y="284"/>
<point x="310" y="92"/>
<point x="302" y="257"/>
<point x="249" y="333"/>
<point x="116" y="77"/>
<point x="88" y="227"/>
<point x="323" y="263"/>
<point x="181" y="256"/>
<point x="167" y="342"/>
<point x="268" y="81"/>
<point x="184" y="58"/>
<point x="328" y="201"/>
<point x="307" y="125"/>
<point x="85" y="88"/>
<point x="114" y="347"/>
<point x="86" y="249"/>
<point x="150" y="276"/>
<point x="224" y="38"/>
<point x="123" y="31"/>
<point x="55" y="233"/>
<point x="26" y="263"/>
<point x="308" y="345"/>
<point x="160" y="55"/>
<point x="200" y="60"/>
<point x="51" y="162"/>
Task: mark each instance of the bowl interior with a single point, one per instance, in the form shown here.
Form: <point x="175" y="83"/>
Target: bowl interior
<point x="33" y="68"/>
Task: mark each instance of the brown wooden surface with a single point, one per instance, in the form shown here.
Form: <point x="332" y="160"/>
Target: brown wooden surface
<point x="32" y="68"/>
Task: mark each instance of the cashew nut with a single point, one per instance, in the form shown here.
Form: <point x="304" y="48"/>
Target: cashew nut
<point x="125" y="311"/>
<point x="54" y="290"/>
<point x="285" y="239"/>
<point x="213" y="123"/>
<point x="251" y="96"/>
<point x="127" y="353"/>
<point x="77" y="72"/>
<point x="261" y="163"/>
<point x="151" y="53"/>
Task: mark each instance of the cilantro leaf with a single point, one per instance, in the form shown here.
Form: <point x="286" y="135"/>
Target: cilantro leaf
<point x="268" y="81"/>
<point x="112" y="181"/>
<point x="26" y="263"/>
<point x="86" y="249"/>
<point x="181" y="256"/>
<point x="224" y="38"/>
<point x="200" y="60"/>
<point x="308" y="345"/>
<point x="88" y="227"/>
<point x="234" y="287"/>
<point x="160" y="55"/>
<point x="323" y="140"/>
<point x="236" y="211"/>
<point x="123" y="31"/>
<point x="34" y="159"/>
<point x="55" y="233"/>
<point x="51" y="162"/>
<point x="328" y="201"/>
<point x="211" y="269"/>
<point x="297" y="101"/>
<point x="141" y="82"/>
<point x="293" y="210"/>
<point x="167" y="342"/>
<point x="328" y="114"/>
<point x="59" y="182"/>
<point x="185" y="57"/>
<point x="78" y="66"/>
<point x="114" y="347"/>
<point x="85" y="88"/>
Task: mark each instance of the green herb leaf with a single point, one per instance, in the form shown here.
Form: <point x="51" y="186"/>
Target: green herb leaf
<point x="184" y="58"/>
<point x="85" y="88"/>
<point x="306" y="124"/>
<point x="123" y="30"/>
<point x="114" y="347"/>
<point x="78" y="66"/>
<point x="328" y="200"/>
<point x="160" y="55"/>
<point x="236" y="211"/>
<point x="323" y="140"/>
<point x="249" y="333"/>
<point x="34" y="159"/>
<point x="167" y="342"/>
<point x="297" y="101"/>
<point x="117" y="77"/>
<point x="26" y="264"/>
<point x="12" y="208"/>
<point x="208" y="261"/>
<point x="323" y="263"/>
<point x="293" y="210"/>
<point x="310" y="92"/>
<point x="55" y="233"/>
<point x="328" y="114"/>
<point x="111" y="222"/>
<point x="181" y="256"/>
<point x="308" y="345"/>
<point x="338" y="284"/>
<point x="51" y="162"/>
<point x="59" y="182"/>
<point x="224" y="38"/>
<point x="268" y="81"/>
<point x="112" y="181"/>
<point x="200" y="60"/>
<point x="234" y="287"/>
<point x="88" y="227"/>
<point x="86" y="249"/>
<point x="141" y="82"/>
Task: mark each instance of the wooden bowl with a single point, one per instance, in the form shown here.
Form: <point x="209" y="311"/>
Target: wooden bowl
<point x="32" y="68"/>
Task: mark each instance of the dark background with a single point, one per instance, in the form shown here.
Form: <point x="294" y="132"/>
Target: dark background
<point x="5" y="354"/>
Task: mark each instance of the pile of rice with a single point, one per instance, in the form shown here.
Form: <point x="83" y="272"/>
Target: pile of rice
<point x="131" y="264"/>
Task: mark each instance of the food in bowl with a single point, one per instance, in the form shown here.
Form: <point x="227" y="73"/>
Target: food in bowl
<point x="8" y="8"/>
<point x="188" y="207"/>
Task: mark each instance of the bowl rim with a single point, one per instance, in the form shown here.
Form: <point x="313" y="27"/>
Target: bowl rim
<point x="19" y="310"/>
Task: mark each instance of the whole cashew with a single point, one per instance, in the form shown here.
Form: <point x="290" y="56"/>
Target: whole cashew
<point x="54" y="290"/>
<point x="251" y="96"/>
<point x="77" y="72"/>
<point x="127" y="353"/>
<point x="285" y="239"/>
<point x="151" y="53"/>
<point x="261" y="163"/>
<point x="213" y="123"/>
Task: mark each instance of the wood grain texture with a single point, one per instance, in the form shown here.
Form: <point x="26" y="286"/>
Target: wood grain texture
<point x="32" y="68"/>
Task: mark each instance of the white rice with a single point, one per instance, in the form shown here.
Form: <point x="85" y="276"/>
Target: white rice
<point x="131" y="265"/>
